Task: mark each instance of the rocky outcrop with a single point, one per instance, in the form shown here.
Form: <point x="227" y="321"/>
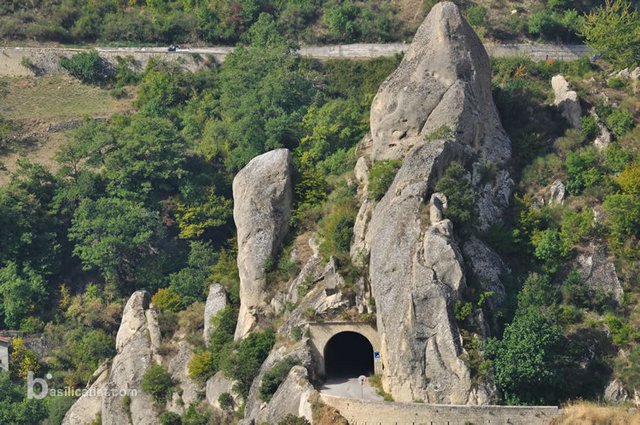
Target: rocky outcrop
<point x="444" y="80"/>
<point x="88" y="407"/>
<point x="615" y="392"/>
<point x="137" y="344"/>
<point x="557" y="193"/>
<point x="292" y="398"/>
<point x="262" y="194"/>
<point x="598" y="273"/>
<point x="216" y="301"/>
<point x="488" y="269"/>
<point x="116" y="386"/>
<point x="566" y="100"/>
<point x="434" y="109"/>
<point x="216" y="386"/>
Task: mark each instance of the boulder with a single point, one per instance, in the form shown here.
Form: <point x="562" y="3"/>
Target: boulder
<point x="557" y="193"/>
<point x="262" y="195"/>
<point x="615" y="392"/>
<point x="598" y="273"/>
<point x="566" y="100"/>
<point x="444" y="80"/>
<point x="437" y="205"/>
<point x="216" y="301"/>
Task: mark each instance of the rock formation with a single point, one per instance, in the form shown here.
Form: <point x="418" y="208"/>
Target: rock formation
<point x="566" y="100"/>
<point x="216" y="301"/>
<point x="599" y="273"/>
<point x="262" y="195"/>
<point x="434" y="109"/>
<point x="444" y="80"/>
<point x="115" y="388"/>
<point x="137" y="344"/>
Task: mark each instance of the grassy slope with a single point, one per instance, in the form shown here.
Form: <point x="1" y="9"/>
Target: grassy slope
<point x="33" y="103"/>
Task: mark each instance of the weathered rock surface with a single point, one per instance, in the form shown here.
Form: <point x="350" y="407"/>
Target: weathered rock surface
<point x="598" y="273"/>
<point x="216" y="301"/>
<point x="487" y="268"/>
<point x="116" y="385"/>
<point x="88" y="407"/>
<point x="615" y="392"/>
<point x="557" y="193"/>
<point x="566" y="100"/>
<point x="262" y="194"/>
<point x="216" y="385"/>
<point x="443" y="80"/>
<point x="416" y="269"/>
<point x="291" y="398"/>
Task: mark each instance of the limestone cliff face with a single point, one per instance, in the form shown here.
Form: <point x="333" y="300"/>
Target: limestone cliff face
<point x="262" y="196"/>
<point x="416" y="268"/>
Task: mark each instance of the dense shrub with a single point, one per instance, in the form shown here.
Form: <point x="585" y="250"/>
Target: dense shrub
<point x="620" y="121"/>
<point x="243" y="362"/>
<point x="381" y="176"/>
<point x="158" y="383"/>
<point x="88" y="67"/>
<point x="166" y="299"/>
<point x="272" y="379"/>
<point x="170" y="418"/>
<point x="226" y="401"/>
<point x="456" y="186"/>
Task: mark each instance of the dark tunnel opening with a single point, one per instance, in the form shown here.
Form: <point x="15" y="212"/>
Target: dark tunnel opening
<point x="348" y="355"/>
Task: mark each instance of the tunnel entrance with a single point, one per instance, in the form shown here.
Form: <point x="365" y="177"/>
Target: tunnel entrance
<point x="348" y="355"/>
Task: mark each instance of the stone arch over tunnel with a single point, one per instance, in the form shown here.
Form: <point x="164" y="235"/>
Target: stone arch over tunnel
<point x="345" y="349"/>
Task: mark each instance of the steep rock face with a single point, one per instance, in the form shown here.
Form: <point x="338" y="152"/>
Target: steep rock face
<point x="291" y="398"/>
<point x="262" y="195"/>
<point x="416" y="276"/>
<point x="488" y="269"/>
<point x="416" y="269"/>
<point x="443" y="80"/>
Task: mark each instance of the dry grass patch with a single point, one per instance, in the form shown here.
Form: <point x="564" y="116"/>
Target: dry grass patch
<point x="585" y="413"/>
<point x="56" y="98"/>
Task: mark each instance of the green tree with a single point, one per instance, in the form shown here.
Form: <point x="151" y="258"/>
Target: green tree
<point x="381" y="176"/>
<point x="263" y="97"/>
<point x="15" y="408"/>
<point x="149" y="153"/>
<point x="22" y="293"/>
<point x="112" y="234"/>
<point x="191" y="283"/>
<point x="614" y="31"/>
<point x="158" y="383"/>
<point x="525" y="360"/>
<point x="88" y="67"/>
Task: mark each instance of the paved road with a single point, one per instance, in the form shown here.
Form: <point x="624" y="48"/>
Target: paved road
<point x="47" y="59"/>
<point x="350" y="388"/>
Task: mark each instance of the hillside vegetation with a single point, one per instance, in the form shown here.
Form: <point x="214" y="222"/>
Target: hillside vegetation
<point x="307" y="21"/>
<point x="143" y="201"/>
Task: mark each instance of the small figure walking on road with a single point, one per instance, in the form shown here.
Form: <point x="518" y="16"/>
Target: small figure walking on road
<point x="361" y="380"/>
